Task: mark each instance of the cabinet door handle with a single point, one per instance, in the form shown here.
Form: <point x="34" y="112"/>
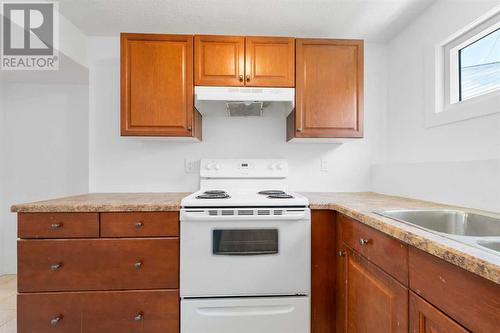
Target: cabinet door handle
<point x="138" y="265"/>
<point x="56" y="267"/>
<point x="56" y="226"/>
<point x="299" y="129"/>
<point x="139" y="316"/>
<point x="139" y="224"/>
<point x="248" y="77"/>
<point x="363" y="241"/>
<point x="341" y="253"/>
<point x="54" y="321"/>
<point x="241" y="78"/>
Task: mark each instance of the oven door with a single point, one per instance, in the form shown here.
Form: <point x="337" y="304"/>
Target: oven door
<point x="245" y="254"/>
<point x="246" y="315"/>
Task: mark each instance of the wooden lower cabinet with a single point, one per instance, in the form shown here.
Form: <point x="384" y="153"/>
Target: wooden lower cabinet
<point x="425" y="318"/>
<point x="467" y="298"/>
<point x="155" y="311"/>
<point x="374" y="302"/>
<point x="98" y="264"/>
<point x="323" y="261"/>
<point x="58" y="225"/>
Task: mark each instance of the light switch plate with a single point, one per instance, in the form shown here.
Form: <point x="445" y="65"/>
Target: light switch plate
<point x="323" y="165"/>
<point x="190" y="166"/>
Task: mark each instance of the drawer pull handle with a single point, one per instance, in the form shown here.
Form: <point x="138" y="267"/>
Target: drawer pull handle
<point x="56" y="267"/>
<point x="54" y="321"/>
<point x="139" y="317"/>
<point x="139" y="224"/>
<point x="341" y="253"/>
<point x="364" y="241"/>
<point x="138" y="265"/>
<point x="56" y="226"/>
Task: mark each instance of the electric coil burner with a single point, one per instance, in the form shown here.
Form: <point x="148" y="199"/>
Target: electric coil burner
<point x="213" y="194"/>
<point x="280" y="196"/>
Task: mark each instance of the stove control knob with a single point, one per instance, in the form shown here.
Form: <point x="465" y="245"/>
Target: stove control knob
<point x="217" y="166"/>
<point x="279" y="166"/>
<point x="271" y="166"/>
<point x="209" y="166"/>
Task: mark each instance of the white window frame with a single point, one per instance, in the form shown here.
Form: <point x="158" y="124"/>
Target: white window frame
<point x="446" y="106"/>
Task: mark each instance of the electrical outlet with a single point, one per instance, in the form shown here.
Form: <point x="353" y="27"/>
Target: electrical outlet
<point x="190" y="166"/>
<point x="323" y="165"/>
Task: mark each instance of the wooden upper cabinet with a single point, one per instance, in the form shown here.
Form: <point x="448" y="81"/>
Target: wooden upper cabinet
<point x="157" y="86"/>
<point x="219" y="60"/>
<point x="329" y="89"/>
<point x="270" y="61"/>
<point x="244" y="61"/>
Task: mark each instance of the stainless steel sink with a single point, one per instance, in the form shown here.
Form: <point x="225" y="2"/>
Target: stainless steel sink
<point x="452" y="222"/>
<point x="492" y="245"/>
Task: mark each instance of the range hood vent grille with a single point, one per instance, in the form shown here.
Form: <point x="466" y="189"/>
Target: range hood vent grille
<point x="244" y="109"/>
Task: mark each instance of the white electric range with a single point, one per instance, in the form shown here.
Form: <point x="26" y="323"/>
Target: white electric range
<point x="245" y="251"/>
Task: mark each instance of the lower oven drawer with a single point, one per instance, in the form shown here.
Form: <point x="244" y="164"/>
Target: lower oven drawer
<point x="246" y="315"/>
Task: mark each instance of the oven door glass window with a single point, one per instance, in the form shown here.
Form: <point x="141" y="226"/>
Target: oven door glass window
<point x="245" y="242"/>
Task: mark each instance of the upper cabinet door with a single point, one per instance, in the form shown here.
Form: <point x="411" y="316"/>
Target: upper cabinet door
<point x="270" y="62"/>
<point x="157" y="85"/>
<point x="219" y="60"/>
<point x="329" y="89"/>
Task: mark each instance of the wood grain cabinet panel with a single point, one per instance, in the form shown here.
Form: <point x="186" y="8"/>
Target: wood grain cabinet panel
<point x="469" y="299"/>
<point x="386" y="252"/>
<point x="155" y="311"/>
<point x="97" y="264"/>
<point x="424" y="318"/>
<point x="270" y="61"/>
<point x="374" y="302"/>
<point x="323" y="274"/>
<point x="157" y="86"/>
<point x="329" y="89"/>
<point x="58" y="225"/>
<point x="140" y="224"/>
<point x="219" y="60"/>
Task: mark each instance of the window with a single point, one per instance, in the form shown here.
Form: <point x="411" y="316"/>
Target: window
<point x="462" y="72"/>
<point x="479" y="66"/>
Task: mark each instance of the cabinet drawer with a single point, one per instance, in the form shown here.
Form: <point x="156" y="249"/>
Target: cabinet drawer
<point x="58" y="225"/>
<point x="388" y="253"/>
<point x="469" y="299"/>
<point x="99" y="312"/>
<point x="97" y="264"/>
<point x="140" y="224"/>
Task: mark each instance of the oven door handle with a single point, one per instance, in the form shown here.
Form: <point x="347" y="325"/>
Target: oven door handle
<point x="187" y="216"/>
<point x="238" y="311"/>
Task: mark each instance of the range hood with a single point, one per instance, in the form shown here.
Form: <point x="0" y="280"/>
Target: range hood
<point x="244" y="101"/>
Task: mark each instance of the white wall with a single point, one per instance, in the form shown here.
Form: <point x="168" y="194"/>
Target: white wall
<point x="129" y="164"/>
<point x="456" y="163"/>
<point x="44" y="150"/>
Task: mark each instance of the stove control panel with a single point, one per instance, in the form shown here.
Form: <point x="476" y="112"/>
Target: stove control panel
<point x="243" y="168"/>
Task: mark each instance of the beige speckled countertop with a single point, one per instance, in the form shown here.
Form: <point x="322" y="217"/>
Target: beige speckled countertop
<point x="359" y="206"/>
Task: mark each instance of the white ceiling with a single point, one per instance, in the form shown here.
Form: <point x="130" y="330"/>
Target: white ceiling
<point x="373" y="20"/>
